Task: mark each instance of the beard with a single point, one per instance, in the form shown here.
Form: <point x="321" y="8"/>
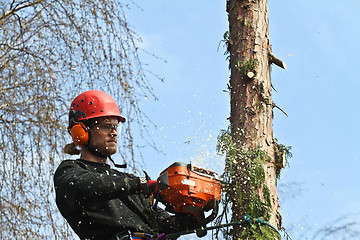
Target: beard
<point x="103" y="150"/>
<point x="108" y="151"/>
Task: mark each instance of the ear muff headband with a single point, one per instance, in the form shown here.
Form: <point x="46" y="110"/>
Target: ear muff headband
<point x="80" y="134"/>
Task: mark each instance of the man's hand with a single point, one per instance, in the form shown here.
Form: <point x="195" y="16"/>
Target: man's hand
<point x="152" y="185"/>
<point x="144" y="187"/>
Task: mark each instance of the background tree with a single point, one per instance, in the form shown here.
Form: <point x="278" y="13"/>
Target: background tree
<point x="254" y="158"/>
<point x="50" y="51"/>
<point x="344" y="227"/>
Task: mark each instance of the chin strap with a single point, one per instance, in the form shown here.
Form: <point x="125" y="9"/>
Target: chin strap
<point x="97" y="153"/>
<point x="118" y="165"/>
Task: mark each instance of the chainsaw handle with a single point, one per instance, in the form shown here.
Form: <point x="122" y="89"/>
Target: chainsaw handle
<point x="202" y="232"/>
<point x="213" y="214"/>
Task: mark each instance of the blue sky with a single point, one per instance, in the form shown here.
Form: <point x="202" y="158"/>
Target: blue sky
<point x="318" y="40"/>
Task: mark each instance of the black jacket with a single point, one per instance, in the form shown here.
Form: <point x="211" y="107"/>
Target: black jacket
<point x="99" y="202"/>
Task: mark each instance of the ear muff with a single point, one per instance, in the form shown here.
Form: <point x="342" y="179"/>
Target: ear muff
<point x="80" y="134"/>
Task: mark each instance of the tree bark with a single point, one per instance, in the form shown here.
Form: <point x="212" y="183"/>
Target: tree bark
<point x="251" y="103"/>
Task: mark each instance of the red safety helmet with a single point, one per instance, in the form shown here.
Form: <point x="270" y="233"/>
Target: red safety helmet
<point x="88" y="105"/>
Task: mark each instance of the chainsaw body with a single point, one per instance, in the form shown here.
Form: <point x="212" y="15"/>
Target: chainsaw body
<point x="189" y="189"/>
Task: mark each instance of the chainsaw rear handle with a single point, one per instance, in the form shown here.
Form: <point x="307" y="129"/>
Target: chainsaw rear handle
<point x="213" y="214"/>
<point x="202" y="232"/>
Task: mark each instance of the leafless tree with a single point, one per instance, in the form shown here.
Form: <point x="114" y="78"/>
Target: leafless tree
<point x="345" y="227"/>
<point x="50" y="51"/>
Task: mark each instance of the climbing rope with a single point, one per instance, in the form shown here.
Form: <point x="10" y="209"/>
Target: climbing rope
<point x="246" y="218"/>
<point x="258" y="220"/>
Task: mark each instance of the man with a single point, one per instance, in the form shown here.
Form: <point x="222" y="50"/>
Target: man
<point x="97" y="201"/>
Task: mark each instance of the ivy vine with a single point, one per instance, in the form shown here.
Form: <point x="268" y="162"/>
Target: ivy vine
<point x="259" y="203"/>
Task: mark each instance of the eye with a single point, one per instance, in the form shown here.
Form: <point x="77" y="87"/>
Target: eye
<point x="107" y="127"/>
<point x="113" y="127"/>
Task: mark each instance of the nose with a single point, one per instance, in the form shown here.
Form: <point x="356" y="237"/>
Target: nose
<point x="113" y="132"/>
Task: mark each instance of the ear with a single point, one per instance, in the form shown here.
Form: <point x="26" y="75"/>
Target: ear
<point x="80" y="134"/>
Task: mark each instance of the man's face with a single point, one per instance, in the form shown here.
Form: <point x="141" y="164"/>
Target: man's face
<point x="103" y="135"/>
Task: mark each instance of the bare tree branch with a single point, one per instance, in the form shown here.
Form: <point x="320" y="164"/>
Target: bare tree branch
<point x="49" y="53"/>
<point x="18" y="8"/>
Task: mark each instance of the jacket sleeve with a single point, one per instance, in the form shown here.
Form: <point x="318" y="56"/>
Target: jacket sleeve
<point x="77" y="183"/>
<point x="166" y="222"/>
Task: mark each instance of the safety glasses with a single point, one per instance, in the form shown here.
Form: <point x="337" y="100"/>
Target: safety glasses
<point x="108" y="127"/>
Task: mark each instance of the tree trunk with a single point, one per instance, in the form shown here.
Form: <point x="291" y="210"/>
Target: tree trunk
<point x="252" y="113"/>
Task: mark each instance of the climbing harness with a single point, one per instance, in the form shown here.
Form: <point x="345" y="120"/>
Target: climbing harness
<point x="134" y="236"/>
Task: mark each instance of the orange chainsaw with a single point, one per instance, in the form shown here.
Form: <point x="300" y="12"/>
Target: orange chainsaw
<point x="189" y="189"/>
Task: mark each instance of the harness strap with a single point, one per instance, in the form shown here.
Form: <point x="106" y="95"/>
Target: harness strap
<point x="133" y="236"/>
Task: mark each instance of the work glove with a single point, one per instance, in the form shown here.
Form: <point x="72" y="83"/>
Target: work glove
<point x="147" y="186"/>
<point x="152" y="185"/>
<point x="143" y="187"/>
